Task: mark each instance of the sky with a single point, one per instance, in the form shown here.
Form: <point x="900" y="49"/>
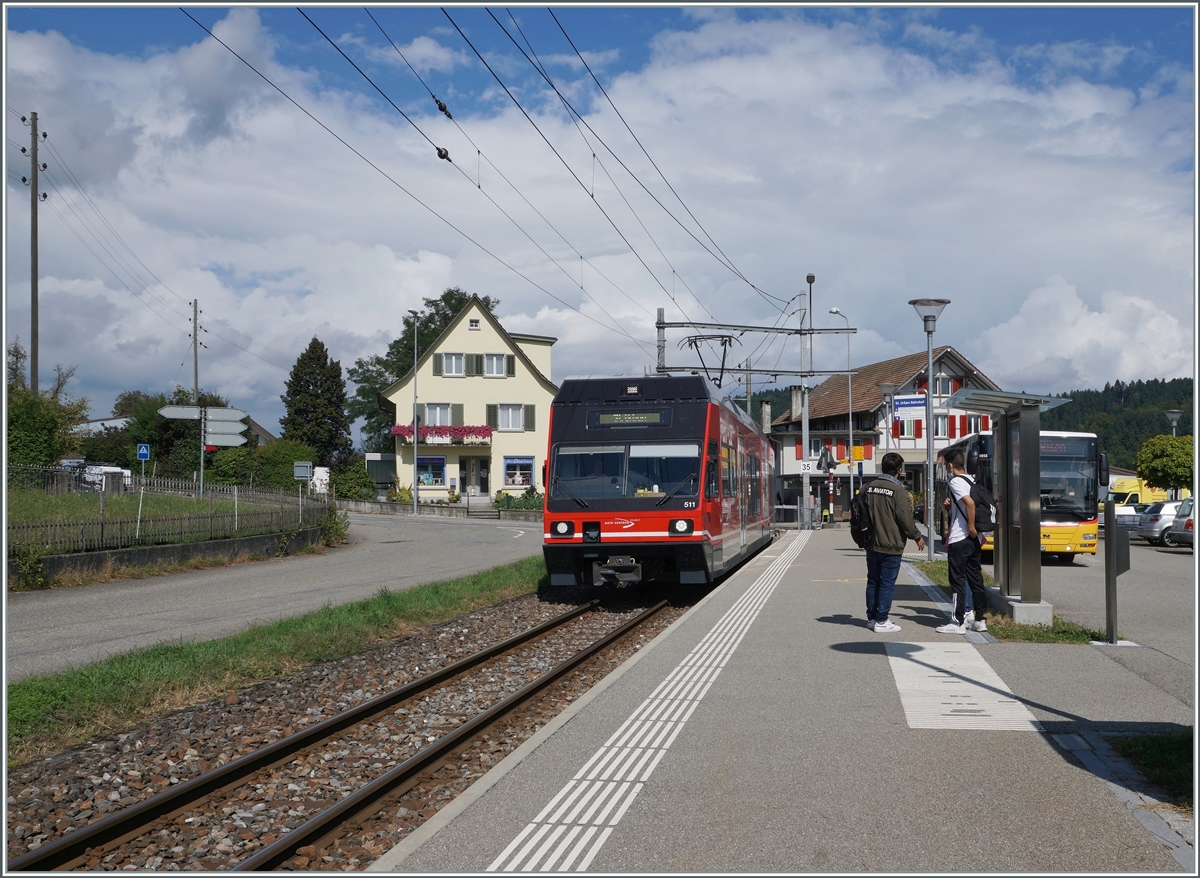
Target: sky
<point x="1033" y="165"/>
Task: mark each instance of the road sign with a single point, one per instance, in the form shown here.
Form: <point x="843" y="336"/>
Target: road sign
<point x="826" y="461"/>
<point x="224" y="414"/>
<point x="186" y="412"/>
<point x="227" y="428"/>
<point x="143" y="451"/>
<point x="808" y="466"/>
<point x="302" y="469"/>
<point x="224" y="440"/>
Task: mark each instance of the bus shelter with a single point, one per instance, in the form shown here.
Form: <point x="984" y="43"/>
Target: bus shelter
<point x="1016" y="468"/>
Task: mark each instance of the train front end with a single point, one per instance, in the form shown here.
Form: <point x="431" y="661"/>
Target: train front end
<point x="623" y="482"/>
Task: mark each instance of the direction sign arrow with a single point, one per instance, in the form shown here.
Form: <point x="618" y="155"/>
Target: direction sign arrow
<point x="186" y="412"/>
<point x="226" y="427"/>
<point x="221" y="439"/>
<point x="225" y="414"/>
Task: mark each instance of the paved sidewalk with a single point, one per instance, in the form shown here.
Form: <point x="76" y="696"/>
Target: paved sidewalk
<point x="770" y="730"/>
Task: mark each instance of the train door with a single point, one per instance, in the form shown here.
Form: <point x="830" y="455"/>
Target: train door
<point x="743" y="494"/>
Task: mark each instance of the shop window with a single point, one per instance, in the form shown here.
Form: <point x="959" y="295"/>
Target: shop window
<point x="518" y="472"/>
<point x="431" y="472"/>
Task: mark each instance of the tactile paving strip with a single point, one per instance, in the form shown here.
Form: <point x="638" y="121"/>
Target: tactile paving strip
<point x="950" y="686"/>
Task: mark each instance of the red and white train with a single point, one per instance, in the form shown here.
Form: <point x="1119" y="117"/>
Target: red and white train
<point x="652" y="479"/>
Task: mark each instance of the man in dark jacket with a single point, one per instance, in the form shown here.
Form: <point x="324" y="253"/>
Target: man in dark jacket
<point x="892" y="527"/>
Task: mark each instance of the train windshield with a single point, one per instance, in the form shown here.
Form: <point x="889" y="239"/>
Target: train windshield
<point x="647" y="470"/>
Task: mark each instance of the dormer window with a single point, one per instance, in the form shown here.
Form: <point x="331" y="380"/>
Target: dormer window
<point x="473" y="323"/>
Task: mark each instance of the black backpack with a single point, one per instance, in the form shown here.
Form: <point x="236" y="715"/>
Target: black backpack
<point x="985" y="512"/>
<point x="862" y="529"/>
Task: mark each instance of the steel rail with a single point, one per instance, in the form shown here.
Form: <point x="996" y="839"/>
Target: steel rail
<point x="128" y="822"/>
<point x="325" y="822"/>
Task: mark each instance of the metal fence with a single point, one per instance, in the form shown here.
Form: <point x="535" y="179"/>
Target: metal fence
<point x="255" y="512"/>
<point x="798" y="517"/>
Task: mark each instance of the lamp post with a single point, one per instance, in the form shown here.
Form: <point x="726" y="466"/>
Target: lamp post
<point x="1174" y="415"/>
<point x="930" y="310"/>
<point x="805" y="365"/>
<point x="416" y="489"/>
<point x="849" y="405"/>
<point x="888" y="389"/>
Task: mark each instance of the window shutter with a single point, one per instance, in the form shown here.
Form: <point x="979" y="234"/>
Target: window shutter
<point x="437" y="364"/>
<point x="985" y="423"/>
<point x="456" y="414"/>
<point x="530" y="422"/>
<point x="799" y="449"/>
<point x="895" y="429"/>
<point x="952" y="423"/>
<point x="493" y="416"/>
<point x="917" y="427"/>
<point x="868" y="449"/>
<point x="510" y="365"/>
<point x="469" y="365"/>
<point x="962" y="425"/>
<point x="422" y="414"/>
<point x="841" y="448"/>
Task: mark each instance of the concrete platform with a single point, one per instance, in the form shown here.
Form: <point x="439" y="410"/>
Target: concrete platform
<point x="770" y="730"/>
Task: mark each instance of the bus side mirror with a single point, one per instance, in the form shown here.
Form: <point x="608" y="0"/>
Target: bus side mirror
<point x="973" y="459"/>
<point x="1103" y="469"/>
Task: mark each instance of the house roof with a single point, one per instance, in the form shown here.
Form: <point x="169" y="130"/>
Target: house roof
<point x="458" y="318"/>
<point x="263" y="434"/>
<point x="828" y="399"/>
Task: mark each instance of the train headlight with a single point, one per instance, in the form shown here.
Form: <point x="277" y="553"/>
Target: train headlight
<point x="562" y="529"/>
<point x="680" y="527"/>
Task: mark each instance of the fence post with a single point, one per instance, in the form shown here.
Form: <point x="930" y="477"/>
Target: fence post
<point x="82" y="543"/>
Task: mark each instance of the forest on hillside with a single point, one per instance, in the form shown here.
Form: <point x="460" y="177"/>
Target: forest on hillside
<point x="1123" y="416"/>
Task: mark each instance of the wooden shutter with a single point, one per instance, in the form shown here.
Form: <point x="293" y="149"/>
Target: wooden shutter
<point x="841" y="448"/>
<point x="493" y="416"/>
<point x="510" y="365"/>
<point x="799" y="449"/>
<point x="963" y="427"/>
<point x="530" y="421"/>
<point x="868" y="448"/>
<point x="895" y="429"/>
<point x="985" y="423"/>
<point x="456" y="414"/>
<point x="469" y="365"/>
<point x="952" y="426"/>
<point x="917" y="428"/>
<point x="437" y="364"/>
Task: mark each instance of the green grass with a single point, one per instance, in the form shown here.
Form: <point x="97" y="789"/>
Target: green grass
<point x="52" y="713"/>
<point x="1165" y="760"/>
<point x="30" y="506"/>
<point x="1002" y="627"/>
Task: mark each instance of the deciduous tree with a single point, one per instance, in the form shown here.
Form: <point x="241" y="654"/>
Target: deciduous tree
<point x="1166" y="461"/>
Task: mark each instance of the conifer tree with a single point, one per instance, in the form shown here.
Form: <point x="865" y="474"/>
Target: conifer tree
<point x="316" y="405"/>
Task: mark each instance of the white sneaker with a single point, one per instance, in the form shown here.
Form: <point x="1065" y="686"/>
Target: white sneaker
<point x="888" y="627"/>
<point x="871" y="624"/>
<point x="952" y="627"/>
<point x="969" y="618"/>
<point x="980" y="625"/>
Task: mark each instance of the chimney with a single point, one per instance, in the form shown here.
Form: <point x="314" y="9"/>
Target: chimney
<point x="766" y="417"/>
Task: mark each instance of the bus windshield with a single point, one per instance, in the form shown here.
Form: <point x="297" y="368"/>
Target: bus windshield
<point x="1068" y="486"/>
<point x="647" y="470"/>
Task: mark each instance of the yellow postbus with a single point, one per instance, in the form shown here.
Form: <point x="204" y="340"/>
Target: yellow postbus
<point x="1073" y="472"/>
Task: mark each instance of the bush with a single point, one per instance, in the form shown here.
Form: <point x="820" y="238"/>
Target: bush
<point x="400" y="494"/>
<point x="528" y="499"/>
<point x="27" y="561"/>
<point x="32" y="431"/>
<point x="335" y="526"/>
<point x="233" y="466"/>
<point x="352" y="481"/>
<point x="274" y="463"/>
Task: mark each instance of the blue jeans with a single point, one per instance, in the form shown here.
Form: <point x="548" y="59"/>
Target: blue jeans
<point x="882" y="571"/>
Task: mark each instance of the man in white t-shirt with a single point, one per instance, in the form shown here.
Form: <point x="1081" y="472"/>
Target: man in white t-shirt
<point x="963" y="552"/>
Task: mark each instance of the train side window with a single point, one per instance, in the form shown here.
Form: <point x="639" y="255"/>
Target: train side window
<point x="711" y="475"/>
<point x="726" y="471"/>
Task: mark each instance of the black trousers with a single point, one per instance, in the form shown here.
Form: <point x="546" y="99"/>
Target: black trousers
<point x="966" y="569"/>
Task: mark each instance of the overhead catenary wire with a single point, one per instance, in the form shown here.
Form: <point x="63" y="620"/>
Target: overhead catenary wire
<point x="481" y="156"/>
<point x="442" y="154"/>
<point x="389" y="178"/>
<point x="558" y="155"/>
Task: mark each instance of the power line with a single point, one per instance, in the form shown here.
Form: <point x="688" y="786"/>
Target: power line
<point x="495" y="76"/>
<point x="444" y="154"/>
<point x="389" y="178"/>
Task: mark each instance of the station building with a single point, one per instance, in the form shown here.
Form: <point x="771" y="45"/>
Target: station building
<point x="883" y="422"/>
<point x="483" y="399"/>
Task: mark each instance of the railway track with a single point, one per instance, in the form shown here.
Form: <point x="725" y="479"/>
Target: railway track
<point x="289" y="805"/>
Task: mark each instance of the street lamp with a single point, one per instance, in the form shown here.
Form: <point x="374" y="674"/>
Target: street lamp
<point x="929" y="310"/>
<point x="849" y="404"/>
<point x="805" y="366"/>
<point x="416" y="481"/>
<point x="888" y="389"/>
<point x="1174" y="415"/>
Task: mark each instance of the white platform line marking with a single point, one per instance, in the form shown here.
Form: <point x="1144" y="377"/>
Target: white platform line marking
<point x="951" y="686"/>
<point x="633" y="751"/>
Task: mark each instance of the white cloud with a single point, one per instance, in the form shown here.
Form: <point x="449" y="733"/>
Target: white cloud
<point x="800" y="147"/>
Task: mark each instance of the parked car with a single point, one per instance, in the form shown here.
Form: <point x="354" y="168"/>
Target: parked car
<point x="1128" y="517"/>
<point x="1183" y="527"/>
<point x="1155" y="523"/>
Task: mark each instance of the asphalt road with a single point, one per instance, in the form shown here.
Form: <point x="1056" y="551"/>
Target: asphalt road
<point x="49" y="631"/>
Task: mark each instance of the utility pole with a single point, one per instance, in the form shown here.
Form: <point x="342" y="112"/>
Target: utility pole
<point x="805" y="366"/>
<point x="662" y="341"/>
<point x="196" y="352"/>
<point x="34" y="198"/>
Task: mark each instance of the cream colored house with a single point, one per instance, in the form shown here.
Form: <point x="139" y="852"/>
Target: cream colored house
<point x="483" y="400"/>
